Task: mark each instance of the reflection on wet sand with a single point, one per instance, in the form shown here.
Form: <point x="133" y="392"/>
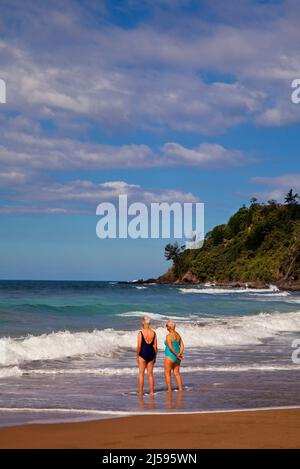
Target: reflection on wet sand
<point x="171" y="404"/>
<point x="171" y="401"/>
<point x="147" y="406"/>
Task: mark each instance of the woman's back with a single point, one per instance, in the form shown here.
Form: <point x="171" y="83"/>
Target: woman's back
<point x="175" y="341"/>
<point x="147" y="350"/>
<point x="174" y="336"/>
<point x="148" y="334"/>
<point x="146" y="354"/>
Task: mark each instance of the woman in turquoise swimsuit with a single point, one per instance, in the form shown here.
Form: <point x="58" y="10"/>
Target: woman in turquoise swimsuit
<point x="174" y="350"/>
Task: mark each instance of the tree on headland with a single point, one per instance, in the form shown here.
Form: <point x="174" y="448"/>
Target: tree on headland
<point x="272" y="202"/>
<point x="291" y="198"/>
<point x="172" y="252"/>
<point x="253" y="201"/>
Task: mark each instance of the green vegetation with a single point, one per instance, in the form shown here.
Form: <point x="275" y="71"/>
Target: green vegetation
<point x="260" y="243"/>
<point x="172" y="253"/>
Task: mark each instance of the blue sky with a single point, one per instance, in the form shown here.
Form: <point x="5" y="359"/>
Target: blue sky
<point x="173" y="100"/>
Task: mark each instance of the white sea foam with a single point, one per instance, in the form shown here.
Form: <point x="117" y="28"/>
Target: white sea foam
<point x="211" y="290"/>
<point x="271" y="294"/>
<point x="126" y="413"/>
<point x="157" y="316"/>
<point x="210" y="332"/>
<point x="15" y="371"/>
<point x="10" y="371"/>
<point x="140" y="314"/>
<point x="108" y="371"/>
<point x="63" y="344"/>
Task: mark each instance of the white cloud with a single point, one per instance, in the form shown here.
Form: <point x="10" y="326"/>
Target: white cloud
<point x="285" y="180"/>
<point x="30" y="152"/>
<point x="205" y="155"/>
<point x="74" y="71"/>
<point x="12" y="177"/>
<point x="279" y="186"/>
<point x="32" y="210"/>
<point x="153" y="74"/>
<point x="82" y="196"/>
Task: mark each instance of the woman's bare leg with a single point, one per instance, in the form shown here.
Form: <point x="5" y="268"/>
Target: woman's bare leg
<point x="151" y="402"/>
<point x="178" y="376"/>
<point x="170" y="403"/>
<point x="142" y="367"/>
<point x="168" y="369"/>
<point x="150" y="366"/>
<point x="141" y="401"/>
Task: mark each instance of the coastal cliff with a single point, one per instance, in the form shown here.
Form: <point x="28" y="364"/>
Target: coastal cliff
<point x="258" y="246"/>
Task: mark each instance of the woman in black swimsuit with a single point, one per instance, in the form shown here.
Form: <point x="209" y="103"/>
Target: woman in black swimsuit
<point x="146" y="354"/>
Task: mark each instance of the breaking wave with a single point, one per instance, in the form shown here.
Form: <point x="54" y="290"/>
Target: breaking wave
<point x="208" y="332"/>
<point x="211" y="290"/>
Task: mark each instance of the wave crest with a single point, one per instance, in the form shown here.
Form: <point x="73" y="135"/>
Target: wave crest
<point x="209" y="332"/>
<point x="212" y="290"/>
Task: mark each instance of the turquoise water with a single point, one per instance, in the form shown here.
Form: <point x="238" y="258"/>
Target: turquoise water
<point x="67" y="349"/>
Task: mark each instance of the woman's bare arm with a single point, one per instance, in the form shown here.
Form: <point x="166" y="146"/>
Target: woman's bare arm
<point x="155" y="346"/>
<point x="139" y="344"/>
<point x="181" y="346"/>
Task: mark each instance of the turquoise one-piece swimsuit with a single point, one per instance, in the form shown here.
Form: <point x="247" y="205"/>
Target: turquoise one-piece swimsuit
<point x="176" y="347"/>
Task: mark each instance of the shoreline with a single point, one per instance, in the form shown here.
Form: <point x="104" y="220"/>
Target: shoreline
<point x="268" y="428"/>
<point x="181" y="283"/>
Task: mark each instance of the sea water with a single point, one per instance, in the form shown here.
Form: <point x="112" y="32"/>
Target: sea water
<point x="67" y="349"/>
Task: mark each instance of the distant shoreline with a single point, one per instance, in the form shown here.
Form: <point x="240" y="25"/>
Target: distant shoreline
<point x="161" y="281"/>
<point x="256" y="285"/>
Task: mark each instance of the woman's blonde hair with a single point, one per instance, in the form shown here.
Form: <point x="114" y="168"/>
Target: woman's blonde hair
<point x="146" y="320"/>
<point x="171" y="324"/>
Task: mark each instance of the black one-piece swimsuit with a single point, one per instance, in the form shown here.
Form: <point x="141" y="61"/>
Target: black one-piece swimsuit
<point x="147" y="351"/>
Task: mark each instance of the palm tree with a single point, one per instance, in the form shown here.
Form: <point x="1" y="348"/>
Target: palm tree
<point x="291" y="198"/>
<point x="172" y="252"/>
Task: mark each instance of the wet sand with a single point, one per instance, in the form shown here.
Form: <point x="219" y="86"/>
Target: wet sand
<point x="258" y="429"/>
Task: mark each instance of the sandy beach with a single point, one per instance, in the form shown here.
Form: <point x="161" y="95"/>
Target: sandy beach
<point x="248" y="429"/>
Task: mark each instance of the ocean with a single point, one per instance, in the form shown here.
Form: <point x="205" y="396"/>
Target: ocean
<point x="67" y="349"/>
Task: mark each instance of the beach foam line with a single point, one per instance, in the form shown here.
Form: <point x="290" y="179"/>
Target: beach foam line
<point x="183" y="369"/>
<point x="140" y="314"/>
<point x="125" y="371"/>
<point x="271" y="291"/>
<point x="157" y="316"/>
<point x="128" y="413"/>
<point x="11" y="371"/>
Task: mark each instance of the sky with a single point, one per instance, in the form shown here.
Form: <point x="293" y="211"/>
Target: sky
<point x="161" y="100"/>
